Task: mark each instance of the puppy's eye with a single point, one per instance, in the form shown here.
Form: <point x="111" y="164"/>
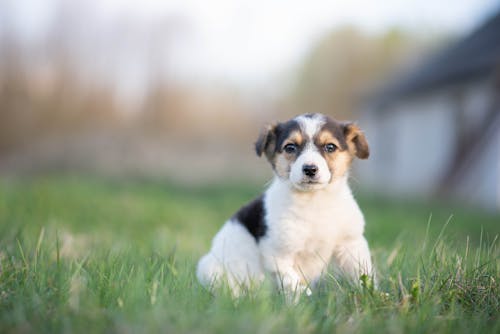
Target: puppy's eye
<point x="330" y="148"/>
<point x="290" y="148"/>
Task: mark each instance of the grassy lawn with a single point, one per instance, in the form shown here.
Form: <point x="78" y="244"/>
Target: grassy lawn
<point x="82" y="254"/>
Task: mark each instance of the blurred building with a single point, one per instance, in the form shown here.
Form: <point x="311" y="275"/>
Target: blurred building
<point x="435" y="130"/>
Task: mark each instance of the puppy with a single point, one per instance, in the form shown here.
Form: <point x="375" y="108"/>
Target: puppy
<point x="307" y="217"/>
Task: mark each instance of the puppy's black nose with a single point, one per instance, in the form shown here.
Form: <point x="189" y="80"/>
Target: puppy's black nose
<point x="310" y="170"/>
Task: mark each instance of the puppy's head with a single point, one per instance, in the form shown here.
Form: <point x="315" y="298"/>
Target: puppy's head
<point x="311" y="150"/>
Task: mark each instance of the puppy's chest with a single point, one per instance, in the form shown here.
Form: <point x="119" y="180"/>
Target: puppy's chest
<point x="311" y="227"/>
<point x="311" y="222"/>
<point x="315" y="228"/>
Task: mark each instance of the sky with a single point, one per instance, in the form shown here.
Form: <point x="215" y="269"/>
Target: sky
<point x="253" y="41"/>
<point x="248" y="40"/>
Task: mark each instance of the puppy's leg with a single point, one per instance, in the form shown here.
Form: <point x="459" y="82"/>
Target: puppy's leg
<point x="210" y="271"/>
<point x="353" y="258"/>
<point x="287" y="278"/>
<point x="233" y="259"/>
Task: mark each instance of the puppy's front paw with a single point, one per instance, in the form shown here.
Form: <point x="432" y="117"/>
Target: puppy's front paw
<point x="293" y="287"/>
<point x="292" y="297"/>
<point x="289" y="282"/>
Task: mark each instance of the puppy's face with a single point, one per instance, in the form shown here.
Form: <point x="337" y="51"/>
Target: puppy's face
<point x="311" y="150"/>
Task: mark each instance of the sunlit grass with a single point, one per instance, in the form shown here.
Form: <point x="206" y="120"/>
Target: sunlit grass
<point x="89" y="255"/>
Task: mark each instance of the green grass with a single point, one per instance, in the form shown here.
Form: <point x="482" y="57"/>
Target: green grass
<point x="92" y="255"/>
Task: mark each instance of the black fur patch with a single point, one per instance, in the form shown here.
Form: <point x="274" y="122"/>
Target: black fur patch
<point x="337" y="131"/>
<point x="252" y="217"/>
<point x="283" y="131"/>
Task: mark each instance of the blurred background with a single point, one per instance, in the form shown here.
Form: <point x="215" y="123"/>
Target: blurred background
<point x="179" y="89"/>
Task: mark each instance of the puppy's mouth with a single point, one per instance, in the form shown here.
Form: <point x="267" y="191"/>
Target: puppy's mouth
<point x="309" y="184"/>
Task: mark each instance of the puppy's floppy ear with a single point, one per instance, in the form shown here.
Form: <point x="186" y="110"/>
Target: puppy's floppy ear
<point x="266" y="141"/>
<point x="356" y="141"/>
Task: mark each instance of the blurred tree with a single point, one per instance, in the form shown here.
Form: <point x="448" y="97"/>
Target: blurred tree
<point x="346" y="64"/>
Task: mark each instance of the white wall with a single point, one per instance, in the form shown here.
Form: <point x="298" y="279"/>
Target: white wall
<point x="412" y="143"/>
<point x="481" y="184"/>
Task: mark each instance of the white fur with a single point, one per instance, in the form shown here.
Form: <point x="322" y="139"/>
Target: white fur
<point x="310" y="125"/>
<point x="234" y="257"/>
<point x="306" y="230"/>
